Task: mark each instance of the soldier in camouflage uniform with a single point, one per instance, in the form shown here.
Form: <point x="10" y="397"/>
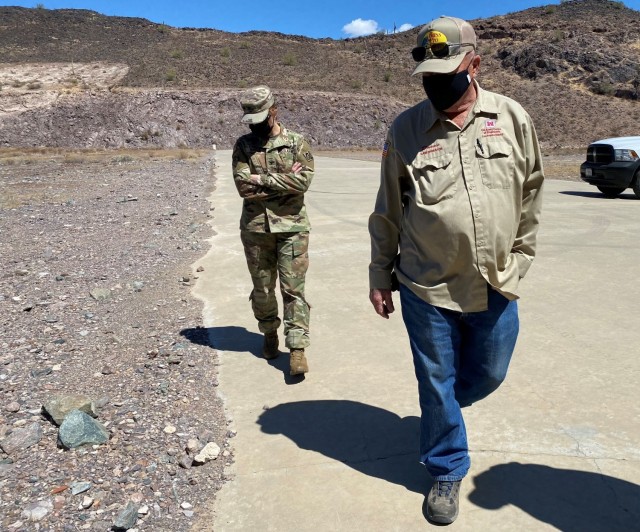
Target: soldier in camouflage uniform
<point x="272" y="169"/>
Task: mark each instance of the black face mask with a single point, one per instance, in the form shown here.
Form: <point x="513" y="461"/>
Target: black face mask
<point x="262" y="129"/>
<point x="446" y="89"/>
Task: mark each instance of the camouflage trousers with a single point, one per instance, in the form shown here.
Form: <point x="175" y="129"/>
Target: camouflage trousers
<point x="283" y="255"/>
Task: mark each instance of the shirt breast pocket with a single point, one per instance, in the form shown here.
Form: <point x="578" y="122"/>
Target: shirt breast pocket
<point x="433" y="177"/>
<point x="497" y="165"/>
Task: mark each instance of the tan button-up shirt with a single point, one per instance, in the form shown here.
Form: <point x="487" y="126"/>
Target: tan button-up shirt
<point x="458" y="208"/>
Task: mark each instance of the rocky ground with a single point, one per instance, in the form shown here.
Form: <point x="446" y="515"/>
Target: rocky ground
<point x="98" y="254"/>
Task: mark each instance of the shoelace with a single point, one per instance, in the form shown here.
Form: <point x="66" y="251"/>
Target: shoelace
<point x="444" y="488"/>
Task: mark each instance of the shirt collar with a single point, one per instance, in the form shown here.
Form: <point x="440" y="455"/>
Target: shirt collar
<point x="484" y="102"/>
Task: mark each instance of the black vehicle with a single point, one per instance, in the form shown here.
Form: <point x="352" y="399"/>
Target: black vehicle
<point x="613" y="165"/>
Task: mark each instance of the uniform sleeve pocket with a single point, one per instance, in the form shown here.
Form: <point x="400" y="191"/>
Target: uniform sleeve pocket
<point x="497" y="166"/>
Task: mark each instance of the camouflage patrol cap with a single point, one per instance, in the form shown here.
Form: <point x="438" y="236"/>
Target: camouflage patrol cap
<point x="255" y="104"/>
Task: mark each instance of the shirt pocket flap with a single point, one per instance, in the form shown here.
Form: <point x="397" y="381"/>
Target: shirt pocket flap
<point x="435" y="160"/>
<point x="493" y="148"/>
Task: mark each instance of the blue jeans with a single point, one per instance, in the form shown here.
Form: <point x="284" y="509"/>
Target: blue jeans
<point x="459" y="359"/>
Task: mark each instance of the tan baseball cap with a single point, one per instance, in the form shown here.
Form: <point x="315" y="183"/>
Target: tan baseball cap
<point x="256" y="103"/>
<point x="442" y="45"/>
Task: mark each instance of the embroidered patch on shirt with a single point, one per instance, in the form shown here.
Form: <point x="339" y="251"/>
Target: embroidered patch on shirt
<point x="491" y="128"/>
<point x="385" y="149"/>
<point x="433" y="148"/>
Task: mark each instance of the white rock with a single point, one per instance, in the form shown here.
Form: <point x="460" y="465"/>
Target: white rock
<point x="210" y="452"/>
<point x="87" y="502"/>
<point x="186" y="506"/>
<point x="37" y="511"/>
<point x="169" y="429"/>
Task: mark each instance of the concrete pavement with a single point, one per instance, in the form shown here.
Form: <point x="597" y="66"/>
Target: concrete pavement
<point x="557" y="447"/>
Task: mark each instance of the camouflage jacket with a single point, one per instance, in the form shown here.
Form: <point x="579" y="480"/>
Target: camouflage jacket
<point x="276" y="204"/>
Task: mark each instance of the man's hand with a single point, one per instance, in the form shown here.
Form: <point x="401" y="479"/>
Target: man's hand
<point x="296" y="167"/>
<point x="382" y="301"/>
<point x="255" y="179"/>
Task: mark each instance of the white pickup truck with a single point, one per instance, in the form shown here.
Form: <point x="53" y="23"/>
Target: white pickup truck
<point x="613" y="165"/>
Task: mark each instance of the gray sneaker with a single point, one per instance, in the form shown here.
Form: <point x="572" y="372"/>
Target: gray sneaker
<point x="442" y="501"/>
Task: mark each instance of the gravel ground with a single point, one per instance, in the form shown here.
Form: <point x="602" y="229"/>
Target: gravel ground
<point x="97" y="254"/>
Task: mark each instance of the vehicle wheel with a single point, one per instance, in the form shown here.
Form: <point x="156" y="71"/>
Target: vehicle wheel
<point x="611" y="192"/>
<point x="636" y="184"/>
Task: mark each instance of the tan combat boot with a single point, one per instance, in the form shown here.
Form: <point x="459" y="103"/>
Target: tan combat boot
<point x="270" y="346"/>
<point x="298" y="362"/>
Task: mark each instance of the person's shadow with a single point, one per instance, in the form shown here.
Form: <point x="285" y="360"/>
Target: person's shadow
<point x="369" y="439"/>
<point x="239" y="340"/>
<point x="569" y="500"/>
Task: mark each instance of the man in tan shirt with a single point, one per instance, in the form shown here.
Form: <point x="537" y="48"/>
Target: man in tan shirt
<point x="455" y="222"/>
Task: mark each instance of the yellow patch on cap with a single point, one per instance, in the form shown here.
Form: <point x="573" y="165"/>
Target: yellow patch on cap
<point x="436" y="37"/>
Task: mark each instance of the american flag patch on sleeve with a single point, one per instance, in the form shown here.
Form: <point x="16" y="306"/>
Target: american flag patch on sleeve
<point x="385" y="149"/>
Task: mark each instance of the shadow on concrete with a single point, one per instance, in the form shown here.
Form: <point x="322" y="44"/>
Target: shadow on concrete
<point x="369" y="439"/>
<point x="197" y="335"/>
<point x="231" y="338"/>
<point x="569" y="500"/>
<point x="240" y="340"/>
<point x="598" y="195"/>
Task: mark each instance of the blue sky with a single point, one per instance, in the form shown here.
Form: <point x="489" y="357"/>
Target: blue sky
<point x="323" y="18"/>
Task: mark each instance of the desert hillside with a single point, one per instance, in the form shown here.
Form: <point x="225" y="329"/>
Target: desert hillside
<point x="80" y="79"/>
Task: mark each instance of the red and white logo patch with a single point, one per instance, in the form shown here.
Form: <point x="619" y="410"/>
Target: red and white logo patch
<point x="491" y="128"/>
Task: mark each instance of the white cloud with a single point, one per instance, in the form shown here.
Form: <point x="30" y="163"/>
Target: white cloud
<point x="404" y="27"/>
<point x="360" y="28"/>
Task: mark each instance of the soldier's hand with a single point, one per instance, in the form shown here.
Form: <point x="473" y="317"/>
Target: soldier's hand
<point x="296" y="167"/>
<point x="255" y="179"/>
<point x="382" y="301"/>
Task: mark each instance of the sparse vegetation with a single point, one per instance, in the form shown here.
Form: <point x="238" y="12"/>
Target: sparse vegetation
<point x="119" y="159"/>
<point x="290" y="59"/>
<point x="387" y="76"/>
<point x="225" y="52"/>
<point x="605" y="88"/>
<point x="149" y="134"/>
<point x="171" y="75"/>
<point x="74" y="158"/>
<point x="176" y="54"/>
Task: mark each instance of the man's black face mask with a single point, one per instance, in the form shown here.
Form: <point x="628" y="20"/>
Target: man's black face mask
<point x="262" y="129"/>
<point x="446" y="89"/>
